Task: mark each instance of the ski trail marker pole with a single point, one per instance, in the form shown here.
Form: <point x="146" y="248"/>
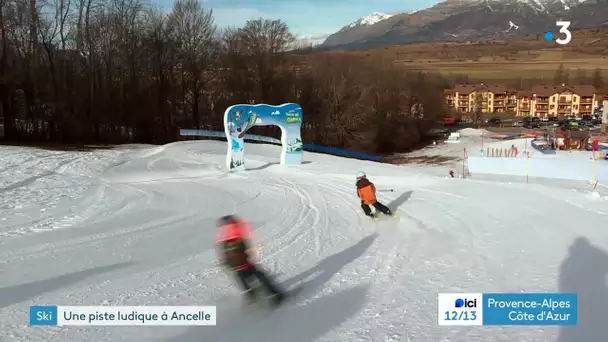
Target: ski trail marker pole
<point x="593" y="173"/>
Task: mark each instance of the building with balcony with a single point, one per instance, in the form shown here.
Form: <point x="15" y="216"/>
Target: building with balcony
<point x="524" y="103"/>
<point x="468" y="98"/>
<point x="565" y="100"/>
<point x="540" y="101"/>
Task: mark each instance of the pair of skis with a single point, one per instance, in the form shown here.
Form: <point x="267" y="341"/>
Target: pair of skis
<point x="378" y="216"/>
<point x="267" y="301"/>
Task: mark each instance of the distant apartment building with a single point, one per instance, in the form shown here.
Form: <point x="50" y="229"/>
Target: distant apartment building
<point x="541" y="101"/>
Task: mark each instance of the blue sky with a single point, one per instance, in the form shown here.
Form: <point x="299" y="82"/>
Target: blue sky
<point x="305" y="17"/>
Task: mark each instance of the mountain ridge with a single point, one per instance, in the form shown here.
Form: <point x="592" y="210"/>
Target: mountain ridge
<point x="471" y="20"/>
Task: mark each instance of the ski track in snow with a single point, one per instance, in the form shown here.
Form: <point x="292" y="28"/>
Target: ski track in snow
<point x="136" y="226"/>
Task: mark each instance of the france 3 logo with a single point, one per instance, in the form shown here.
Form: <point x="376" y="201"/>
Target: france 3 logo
<point x="459" y="309"/>
<point x="564" y="28"/>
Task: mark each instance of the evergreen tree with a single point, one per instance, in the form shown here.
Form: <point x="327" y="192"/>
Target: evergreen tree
<point x="597" y="79"/>
<point x="561" y="75"/>
<point x="581" y="77"/>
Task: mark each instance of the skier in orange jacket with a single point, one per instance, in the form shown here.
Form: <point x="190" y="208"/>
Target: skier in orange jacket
<point x="366" y="191"/>
<point x="233" y="240"/>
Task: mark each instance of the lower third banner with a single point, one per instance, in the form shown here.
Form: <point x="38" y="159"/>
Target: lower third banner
<point x="122" y="315"/>
<point x="507" y="309"/>
<point x="530" y="309"/>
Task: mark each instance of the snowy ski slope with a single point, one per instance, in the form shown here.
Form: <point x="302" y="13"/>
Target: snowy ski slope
<point x="135" y="226"/>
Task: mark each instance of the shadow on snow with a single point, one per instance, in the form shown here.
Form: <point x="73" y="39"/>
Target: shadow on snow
<point x="288" y="322"/>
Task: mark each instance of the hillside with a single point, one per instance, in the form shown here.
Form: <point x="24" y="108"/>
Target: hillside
<point x="529" y="56"/>
<point x="463" y="20"/>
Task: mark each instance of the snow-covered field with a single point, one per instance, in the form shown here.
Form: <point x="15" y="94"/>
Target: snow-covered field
<point x="558" y="169"/>
<point x="136" y="225"/>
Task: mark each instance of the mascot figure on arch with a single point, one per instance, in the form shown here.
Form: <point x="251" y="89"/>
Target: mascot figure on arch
<point x="238" y="119"/>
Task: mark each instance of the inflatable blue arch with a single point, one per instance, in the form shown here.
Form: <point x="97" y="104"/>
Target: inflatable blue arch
<point x="238" y="119"/>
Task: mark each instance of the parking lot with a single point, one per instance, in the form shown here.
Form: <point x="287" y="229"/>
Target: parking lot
<point x="511" y="126"/>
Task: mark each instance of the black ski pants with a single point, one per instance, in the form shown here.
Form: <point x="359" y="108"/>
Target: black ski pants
<point x="248" y="275"/>
<point x="379" y="207"/>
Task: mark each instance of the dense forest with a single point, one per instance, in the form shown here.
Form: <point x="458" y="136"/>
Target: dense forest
<point x="120" y="71"/>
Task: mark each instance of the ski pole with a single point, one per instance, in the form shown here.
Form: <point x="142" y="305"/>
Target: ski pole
<point x="386" y="190"/>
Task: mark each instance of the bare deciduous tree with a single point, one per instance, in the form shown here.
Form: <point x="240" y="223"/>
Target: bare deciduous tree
<point x="117" y="71"/>
<point x="193" y="31"/>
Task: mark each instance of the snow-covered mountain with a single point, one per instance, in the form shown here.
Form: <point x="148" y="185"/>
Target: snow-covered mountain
<point x="367" y="20"/>
<point x="353" y="28"/>
<point x="471" y="20"/>
<point x="541" y="5"/>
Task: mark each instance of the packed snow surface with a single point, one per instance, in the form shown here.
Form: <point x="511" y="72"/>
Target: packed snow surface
<point x="135" y="226"/>
<point x="474" y="132"/>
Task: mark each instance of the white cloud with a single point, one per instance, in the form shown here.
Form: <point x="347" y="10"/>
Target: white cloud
<point x="312" y="39"/>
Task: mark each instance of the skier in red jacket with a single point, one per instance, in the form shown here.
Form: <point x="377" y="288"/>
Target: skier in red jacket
<point x="233" y="240"/>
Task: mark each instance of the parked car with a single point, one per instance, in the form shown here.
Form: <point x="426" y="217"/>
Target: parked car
<point x="531" y="122"/>
<point x="449" y="121"/>
<point x="465" y="120"/>
<point x="554" y="121"/>
<point x="571" y="125"/>
<point x="494" y="122"/>
<point x="598" y="112"/>
<point x="439" y="132"/>
<point x="568" y="117"/>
